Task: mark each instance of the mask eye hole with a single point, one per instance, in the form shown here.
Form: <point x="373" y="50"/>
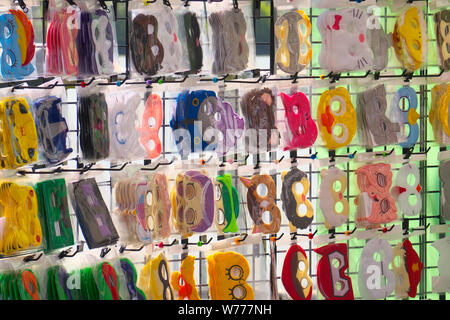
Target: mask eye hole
<point x="235" y="272"/>
<point x="262" y="190"/>
<point x="384" y="205"/>
<point x="190" y="216"/>
<point x="295" y="109"/>
<point x="220" y="217"/>
<point x="190" y="191"/>
<point x="218" y="193"/>
<point x="381" y="180"/>
<point x="301" y="266"/>
<point x="239" y="292"/>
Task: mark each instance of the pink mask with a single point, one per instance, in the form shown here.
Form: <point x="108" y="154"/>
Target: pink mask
<point x="302" y="130"/>
<point x="375" y="203"/>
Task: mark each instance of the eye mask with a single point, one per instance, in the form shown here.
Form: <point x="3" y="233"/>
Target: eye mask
<point x="294" y="275"/>
<point x="227" y="204"/>
<point x="168" y="35"/>
<point x="344" y="43"/>
<point x="160" y="207"/>
<point x="379" y="43"/>
<point x="102" y="37"/>
<point x="108" y="281"/>
<point x="258" y="108"/>
<point x="290" y="56"/>
<point x="129" y="270"/>
<point x="151" y="123"/>
<point x="297" y="207"/>
<point x="302" y="130"/>
<point x="444" y="176"/>
<point x="442" y="24"/>
<point x="407" y="117"/>
<point x="154" y="279"/>
<point x="147" y="51"/>
<point x="92" y="214"/>
<point x="230" y="48"/>
<point x="439" y="113"/>
<point x="406" y="189"/>
<point x="192" y="33"/>
<point x="183" y="282"/>
<point x="375" y="128"/>
<point x="52" y="129"/>
<point x="230" y="124"/>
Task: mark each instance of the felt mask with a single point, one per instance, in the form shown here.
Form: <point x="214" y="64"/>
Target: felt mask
<point x="375" y="204"/>
<point x="295" y="274"/>
<point x="160" y="207"/>
<point x="439" y="113"/>
<point x="344" y="43"/>
<point x="258" y="107"/>
<point x="92" y="214"/>
<point x="194" y="106"/>
<point x="400" y="272"/>
<point x="414" y="267"/>
<point x="193" y="202"/>
<point x="20" y="228"/>
<point x="192" y="32"/>
<point x="301" y="128"/>
<point x="230" y="48"/>
<point x="333" y="204"/>
<point x="108" y="281"/>
<point x="230" y="124"/>
<point x="54" y="209"/>
<point x="28" y="285"/>
<point x="122" y="119"/>
<point x="227" y="275"/>
<point x="374" y="126"/>
<point x="444" y="176"/>
<point x="151" y="123"/>
<point x="405" y="190"/>
<point x="331" y="271"/>
<point x="147" y="51"/>
<point x="102" y="37"/>
<point x="441" y="283"/>
<point x="11" y="59"/>
<point x="442" y="25"/>
<point x="26" y="36"/>
<point x="52" y="129"/>
<point x="379" y="43"/>
<point x="261" y="196"/>
<point x="227" y="205"/>
<point x="183" y="282"/>
<point x="297" y="207"/>
<point x="410" y="38"/>
<point x="167" y="33"/>
<point x="130" y="273"/>
<point x="375" y="279"/>
<point x="294" y="51"/>
<point x="85" y="45"/>
<point x="337" y="125"/>
<point x="154" y="279"/>
<point x="143" y="230"/>
<point x="406" y="117"/>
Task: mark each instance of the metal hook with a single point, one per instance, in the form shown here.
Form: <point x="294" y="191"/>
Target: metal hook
<point x="274" y="238"/>
<point x="241" y="240"/>
<point x="384" y="153"/>
<point x="199" y="243"/>
<point x="424" y="228"/>
<point x="347" y="233"/>
<point x="409" y="151"/>
<point x="64" y="253"/>
<point x="104" y="252"/>
<point x="156" y="167"/>
<point x="32" y="258"/>
<point x="384" y="230"/>
<point x="162" y="244"/>
<point x="124" y="248"/>
<point x="309" y="235"/>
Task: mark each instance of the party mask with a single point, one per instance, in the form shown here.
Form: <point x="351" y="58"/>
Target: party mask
<point x="297" y="207"/>
<point x="193" y="202"/>
<point x="129" y="270"/>
<point x="108" y="281"/>
<point x="291" y="56"/>
<point x="444" y="176"/>
<point x="143" y="230"/>
<point x="157" y="272"/>
<point x="28" y="285"/>
<point x="57" y="284"/>
<point x="442" y="25"/>
<point x="122" y="119"/>
<point x="102" y="37"/>
<point x="258" y="107"/>
<point x="344" y="45"/>
<point x="441" y="283"/>
<point x="85" y="45"/>
<point x="12" y="53"/>
<point x="337" y="127"/>
<point x="192" y="32"/>
<point x="230" y="124"/>
<point x="301" y="128"/>
<point x="405" y="189"/>
<point x="439" y="113"/>
<point x="406" y="117"/>
<point x="261" y="196"/>
<point x="331" y="271"/>
<point x="167" y="33"/>
<point x="52" y="129"/>
<point x="93" y="215"/>
<point x="54" y="209"/>
<point x="194" y="106"/>
<point x="375" y="204"/>
<point x="26" y="36"/>
<point x="151" y="123"/>
<point x="159" y="209"/>
<point x="379" y="43"/>
<point x="227" y="275"/>
<point x="295" y="274"/>
<point x="331" y="200"/>
<point x="410" y="38"/>
<point x="375" y="279"/>
<point x="20" y="228"/>
<point x="400" y="272"/>
<point x="414" y="267"/>
<point x="230" y="48"/>
<point x="227" y="204"/>
<point x="184" y="282"/>
<point x="147" y="51"/>
<point x="374" y="126"/>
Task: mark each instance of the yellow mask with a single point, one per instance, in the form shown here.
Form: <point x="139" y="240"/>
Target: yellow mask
<point x="184" y="282"/>
<point x="154" y="279"/>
